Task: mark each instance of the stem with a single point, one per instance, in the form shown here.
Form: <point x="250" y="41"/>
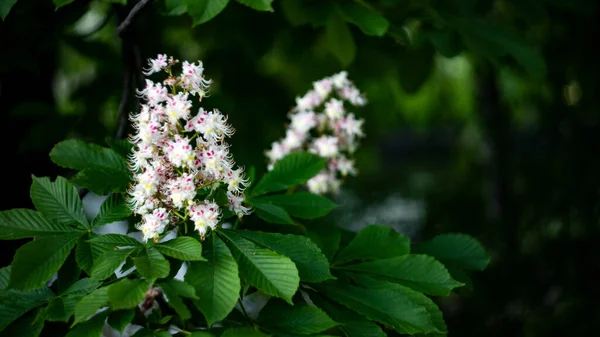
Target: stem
<point x="185" y="332"/>
<point x="236" y="224"/>
<point x="243" y="309"/>
<point x="129" y="19"/>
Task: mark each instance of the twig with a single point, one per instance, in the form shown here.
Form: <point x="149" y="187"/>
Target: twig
<point x="125" y="93"/>
<point x="132" y="14"/>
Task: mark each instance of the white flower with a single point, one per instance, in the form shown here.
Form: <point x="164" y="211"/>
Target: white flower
<point x="334" y="109"/>
<point x="179" y="152"/>
<point x="154" y="224"/>
<point x="303" y="121"/>
<point x="321" y="125"/>
<point x="319" y="184"/>
<point x="168" y="168"/>
<point x="205" y="215"/>
<point x="178" y="107"/>
<point x="235" y="205"/>
<point x="325" y="146"/>
<point x="156" y="65"/>
<point x="182" y="190"/>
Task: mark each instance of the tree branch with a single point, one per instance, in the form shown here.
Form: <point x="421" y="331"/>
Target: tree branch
<point x="132" y="14"/>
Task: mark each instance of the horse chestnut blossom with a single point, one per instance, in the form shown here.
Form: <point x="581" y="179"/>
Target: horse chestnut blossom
<point x="321" y="125"/>
<point x="177" y="154"/>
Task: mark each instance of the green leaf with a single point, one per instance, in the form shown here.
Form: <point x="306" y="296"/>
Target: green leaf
<point x="294" y="169"/>
<point x="90" y="304"/>
<point x="216" y="281"/>
<point x="302" y="205"/>
<point x="90" y="328"/>
<point x="25" y="223"/>
<point x="68" y="273"/>
<point x="183" y="248"/>
<point x="4" y="277"/>
<point x="458" y="250"/>
<point x="127" y="293"/>
<point x="243" y="332"/>
<point x="107" y="263"/>
<point x="61" y="3"/>
<point x="203" y="10"/>
<point x="175" y="7"/>
<point x="271" y="213"/>
<point x="175" y="301"/>
<point x="26" y="326"/>
<point x="86" y="253"/>
<point x="298" y="319"/>
<point x="370" y="22"/>
<point x="115" y="240"/>
<point x="112" y="209"/>
<point x="396" y="305"/>
<point x="418" y="272"/>
<point x="340" y="41"/>
<point x="102" y="181"/>
<point x="311" y="263"/>
<point x="13" y="303"/>
<point x="201" y="334"/>
<point x="327" y="237"/>
<point x="268" y="271"/>
<point x="374" y="242"/>
<point x="5" y="7"/>
<point x="58" y="201"/>
<point x="61" y="309"/>
<point x="259" y="5"/>
<point x="119" y="319"/>
<point x="435" y="315"/>
<point x="151" y="264"/>
<point x="82" y="287"/>
<point x="181" y="288"/>
<point x="79" y="155"/>
<point x="35" y="262"/>
<point x="353" y="324"/>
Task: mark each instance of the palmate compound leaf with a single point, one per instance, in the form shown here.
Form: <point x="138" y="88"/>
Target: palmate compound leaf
<point x="294" y="169"/>
<point x="418" y="272"/>
<point x="301" y="205"/>
<point x="243" y="332"/>
<point x="435" y="315"/>
<point x="87" y="253"/>
<point x="25" y="223"/>
<point x="90" y="304"/>
<point x="175" y="301"/>
<point x="58" y="201"/>
<point x="299" y="319"/>
<point x="311" y="263"/>
<point x="79" y="155"/>
<point x="216" y="280"/>
<point x="91" y="327"/>
<point x="369" y="21"/>
<point x="28" y="325"/>
<point x="374" y="242"/>
<point x="271" y="213"/>
<point x="108" y="262"/>
<point x="101" y="169"/>
<point x="458" y="250"/>
<point x="396" y="305"/>
<point x="114" y="240"/>
<point x="119" y="319"/>
<point x="259" y="5"/>
<point x="35" y="262"/>
<point x="112" y="209"/>
<point x="183" y="248"/>
<point x="204" y="10"/>
<point x="127" y="293"/>
<point x="340" y="40"/>
<point x="272" y="273"/>
<point x="14" y="303"/>
<point x="151" y="264"/>
<point x="351" y="323"/>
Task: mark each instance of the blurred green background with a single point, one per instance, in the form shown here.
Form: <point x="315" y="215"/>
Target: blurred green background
<point x="483" y="118"/>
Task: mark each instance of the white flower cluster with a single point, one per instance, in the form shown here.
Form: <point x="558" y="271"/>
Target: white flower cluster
<point x="337" y="131"/>
<point x="176" y="154"/>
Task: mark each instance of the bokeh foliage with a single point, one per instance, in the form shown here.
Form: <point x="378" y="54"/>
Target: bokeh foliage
<point x="484" y="112"/>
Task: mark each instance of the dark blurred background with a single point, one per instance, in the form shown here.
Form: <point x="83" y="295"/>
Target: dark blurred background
<point x="483" y="118"/>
